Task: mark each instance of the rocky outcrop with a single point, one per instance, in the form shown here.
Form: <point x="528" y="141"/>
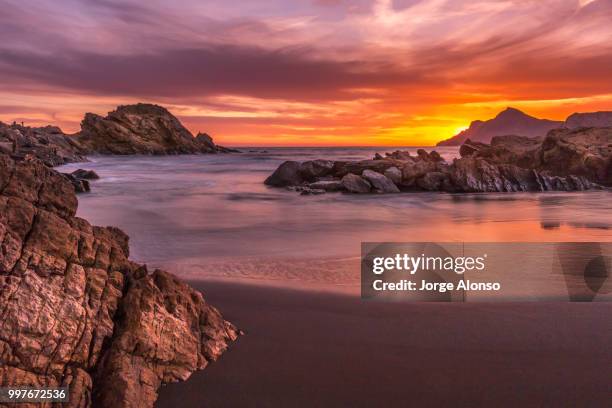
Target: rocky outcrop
<point x="49" y="144"/>
<point x="508" y="122"/>
<point x="75" y="311"/>
<point x="141" y="129"/>
<point x="589" y="119"/>
<point x="565" y="160"/>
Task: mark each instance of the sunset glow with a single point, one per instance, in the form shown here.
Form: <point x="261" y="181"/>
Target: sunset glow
<point x="307" y="72"/>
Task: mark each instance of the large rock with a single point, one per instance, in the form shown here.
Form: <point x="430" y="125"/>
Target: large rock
<point x="85" y="174"/>
<point x="380" y="183"/>
<point x="141" y="129"/>
<point x="76" y="312"/>
<point x="394" y="174"/>
<point x="356" y="184"/>
<point x="585" y="152"/>
<point x="313" y="169"/>
<point x="287" y="174"/>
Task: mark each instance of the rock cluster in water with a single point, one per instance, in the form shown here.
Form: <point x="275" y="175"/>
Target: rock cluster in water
<point x="75" y="311"/>
<point x="565" y="160"/>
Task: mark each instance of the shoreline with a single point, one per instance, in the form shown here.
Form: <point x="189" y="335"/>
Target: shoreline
<point x="322" y="349"/>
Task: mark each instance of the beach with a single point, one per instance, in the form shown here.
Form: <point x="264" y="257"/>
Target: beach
<point x="313" y="349"/>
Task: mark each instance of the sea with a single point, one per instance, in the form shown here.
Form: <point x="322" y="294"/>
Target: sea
<point x="210" y="217"/>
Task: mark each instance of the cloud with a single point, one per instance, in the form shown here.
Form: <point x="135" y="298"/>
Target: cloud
<point x="394" y="59"/>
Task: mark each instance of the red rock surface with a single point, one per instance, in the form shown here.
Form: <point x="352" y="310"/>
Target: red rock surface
<point x="75" y="311"/>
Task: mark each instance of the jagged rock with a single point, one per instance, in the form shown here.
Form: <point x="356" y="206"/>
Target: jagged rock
<point x="141" y="129"/>
<point x="314" y="169"/>
<point x="74" y="310"/>
<point x="287" y="174"/>
<point x="583" y="152"/>
<point x="355" y="184"/>
<point x="394" y="174"/>
<point x="47" y="143"/>
<point x="377" y="156"/>
<point x="85" y="174"/>
<point x="380" y="183"/>
<point x="327" y="185"/>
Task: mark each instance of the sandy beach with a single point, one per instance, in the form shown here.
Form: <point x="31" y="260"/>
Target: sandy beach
<point x="320" y="349"/>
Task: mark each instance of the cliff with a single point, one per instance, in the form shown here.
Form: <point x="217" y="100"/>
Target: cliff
<point x="75" y="311"/>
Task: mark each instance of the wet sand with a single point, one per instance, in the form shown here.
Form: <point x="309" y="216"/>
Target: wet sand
<point x="308" y="349"/>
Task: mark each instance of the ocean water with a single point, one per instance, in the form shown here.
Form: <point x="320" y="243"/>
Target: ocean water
<point x="211" y="216"/>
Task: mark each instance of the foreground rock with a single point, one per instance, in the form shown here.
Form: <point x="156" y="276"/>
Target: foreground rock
<point x="565" y="160"/>
<point x="74" y="311"/>
<point x="141" y="129"/>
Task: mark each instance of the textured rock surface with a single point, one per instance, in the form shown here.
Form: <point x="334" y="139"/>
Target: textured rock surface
<point x="287" y="174"/>
<point x="355" y="184"/>
<point x="48" y="144"/>
<point x="141" y="129"/>
<point x="564" y="160"/>
<point x="589" y="119"/>
<point x="380" y="182"/>
<point x="75" y="311"/>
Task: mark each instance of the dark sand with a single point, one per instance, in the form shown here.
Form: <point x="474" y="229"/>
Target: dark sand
<point x="322" y="350"/>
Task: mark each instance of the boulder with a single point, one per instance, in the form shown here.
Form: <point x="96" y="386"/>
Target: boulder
<point x="394" y="174"/>
<point x="287" y="174"/>
<point x="85" y="174"/>
<point x="380" y="183"/>
<point x="314" y="169"/>
<point x="356" y="184"/>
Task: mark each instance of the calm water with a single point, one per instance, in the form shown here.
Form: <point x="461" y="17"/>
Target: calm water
<point x="212" y="216"/>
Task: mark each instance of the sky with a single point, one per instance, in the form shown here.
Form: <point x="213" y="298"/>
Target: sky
<point x="306" y="72"/>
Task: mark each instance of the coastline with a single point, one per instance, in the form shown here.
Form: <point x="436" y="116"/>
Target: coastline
<point x="321" y="349"/>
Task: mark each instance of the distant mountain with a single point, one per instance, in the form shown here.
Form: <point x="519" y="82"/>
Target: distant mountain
<point x="590" y="119"/>
<point x="508" y="122"/>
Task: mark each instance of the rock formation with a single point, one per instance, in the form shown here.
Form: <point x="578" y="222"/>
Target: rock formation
<point x="509" y="122"/>
<point x="590" y="119"/>
<point x="141" y="129"/>
<point x="564" y="160"/>
<point x="49" y="144"/>
<point x="74" y="311"/>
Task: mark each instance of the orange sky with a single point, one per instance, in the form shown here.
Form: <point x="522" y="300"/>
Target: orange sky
<point x="308" y="72"/>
